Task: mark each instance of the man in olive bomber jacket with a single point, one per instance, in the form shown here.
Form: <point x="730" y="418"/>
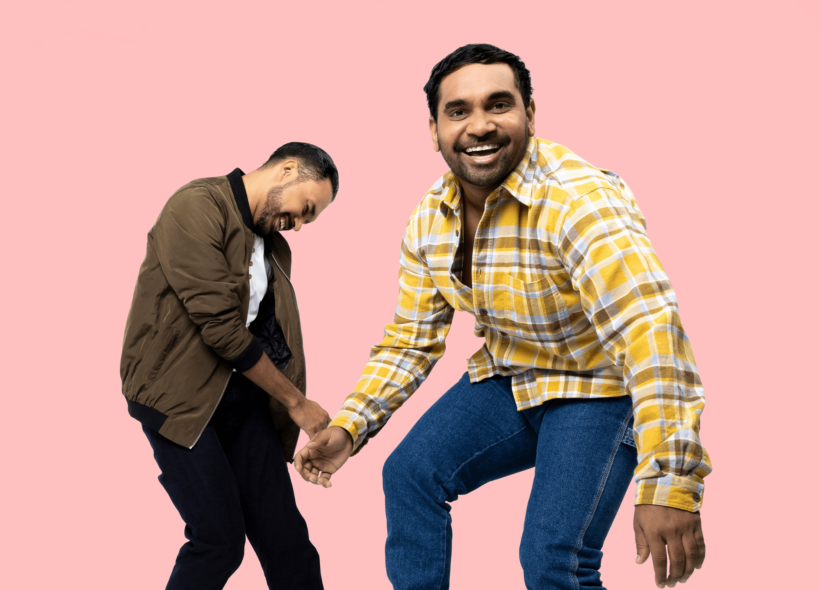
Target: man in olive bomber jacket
<point x="213" y="365"/>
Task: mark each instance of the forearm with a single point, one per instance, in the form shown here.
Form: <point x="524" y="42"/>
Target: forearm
<point x="265" y="374"/>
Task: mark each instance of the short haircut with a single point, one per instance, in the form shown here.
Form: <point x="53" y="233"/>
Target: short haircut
<point x="314" y="162"/>
<point x="476" y="53"/>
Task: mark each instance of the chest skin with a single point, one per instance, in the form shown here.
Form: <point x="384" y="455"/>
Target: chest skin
<point x="472" y="216"/>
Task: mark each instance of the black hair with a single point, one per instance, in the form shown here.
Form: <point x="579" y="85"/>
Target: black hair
<point x="476" y="53"/>
<point x="315" y="162"/>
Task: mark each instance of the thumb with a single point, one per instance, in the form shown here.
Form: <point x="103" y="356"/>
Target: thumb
<point x="641" y="546"/>
<point x="319" y="439"/>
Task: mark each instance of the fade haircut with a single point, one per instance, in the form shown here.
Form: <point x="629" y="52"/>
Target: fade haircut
<point x="314" y="162"/>
<point x="476" y="53"/>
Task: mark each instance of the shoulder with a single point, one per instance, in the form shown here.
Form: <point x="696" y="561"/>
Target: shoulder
<point x="563" y="178"/>
<point x="443" y="195"/>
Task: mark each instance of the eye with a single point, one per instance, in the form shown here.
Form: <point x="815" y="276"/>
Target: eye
<point x="500" y="106"/>
<point x="457" y="114"/>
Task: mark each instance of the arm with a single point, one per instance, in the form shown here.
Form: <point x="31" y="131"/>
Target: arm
<point x="411" y="346"/>
<point x="629" y="300"/>
<point x="398" y="365"/>
<point x="189" y="239"/>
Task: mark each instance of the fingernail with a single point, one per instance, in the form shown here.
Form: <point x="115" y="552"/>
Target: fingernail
<point x="661" y="585"/>
<point x="637" y="558"/>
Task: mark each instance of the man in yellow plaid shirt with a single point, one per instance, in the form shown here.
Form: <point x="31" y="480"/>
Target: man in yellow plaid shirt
<point x="586" y="373"/>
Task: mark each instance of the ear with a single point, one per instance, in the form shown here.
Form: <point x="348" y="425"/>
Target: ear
<point x="434" y="134"/>
<point x="531" y="118"/>
<point x="289" y="170"/>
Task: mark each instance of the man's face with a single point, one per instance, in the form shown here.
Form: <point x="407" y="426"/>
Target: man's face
<point x="292" y="203"/>
<point x="483" y="126"/>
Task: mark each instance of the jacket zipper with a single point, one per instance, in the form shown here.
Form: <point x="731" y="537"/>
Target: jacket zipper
<point x="296" y="301"/>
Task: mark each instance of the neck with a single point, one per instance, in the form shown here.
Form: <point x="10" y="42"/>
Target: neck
<point x="256" y="185"/>
<point x="475" y="196"/>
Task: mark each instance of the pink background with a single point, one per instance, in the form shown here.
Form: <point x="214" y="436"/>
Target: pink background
<point x="707" y="109"/>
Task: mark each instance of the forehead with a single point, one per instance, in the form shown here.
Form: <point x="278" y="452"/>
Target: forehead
<point x="477" y="81"/>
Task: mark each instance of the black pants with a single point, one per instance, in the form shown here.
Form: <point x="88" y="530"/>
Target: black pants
<point x="234" y="482"/>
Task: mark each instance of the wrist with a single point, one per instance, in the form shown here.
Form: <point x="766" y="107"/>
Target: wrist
<point x="294" y="401"/>
<point x="348" y="436"/>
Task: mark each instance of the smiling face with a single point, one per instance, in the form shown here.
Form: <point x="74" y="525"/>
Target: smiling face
<point x="483" y="126"/>
<point x="292" y="202"/>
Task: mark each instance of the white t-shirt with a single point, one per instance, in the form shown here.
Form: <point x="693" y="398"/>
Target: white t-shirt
<point x="258" y="279"/>
<point x="258" y="272"/>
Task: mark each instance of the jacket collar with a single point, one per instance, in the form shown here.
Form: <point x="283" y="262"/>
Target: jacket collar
<point x="241" y="196"/>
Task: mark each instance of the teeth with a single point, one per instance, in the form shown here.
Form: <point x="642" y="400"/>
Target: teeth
<point x="281" y="223"/>
<point x="481" y="148"/>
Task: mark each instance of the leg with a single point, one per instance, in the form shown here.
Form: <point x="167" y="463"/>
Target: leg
<point x="274" y="526"/>
<point x="585" y="460"/>
<point x="470" y="436"/>
<point x="202" y="487"/>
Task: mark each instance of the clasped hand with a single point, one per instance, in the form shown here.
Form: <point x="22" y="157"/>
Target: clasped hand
<point x="324" y="455"/>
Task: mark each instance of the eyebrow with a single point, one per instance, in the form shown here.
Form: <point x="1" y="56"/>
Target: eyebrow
<point x="501" y="94"/>
<point x="460" y="102"/>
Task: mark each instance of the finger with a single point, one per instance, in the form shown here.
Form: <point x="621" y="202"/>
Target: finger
<point x="641" y="546"/>
<point x="305" y="471"/>
<point x="677" y="560"/>
<point x="324" y="479"/>
<point x="701" y="546"/>
<point x="690" y="548"/>
<point x="659" y="562"/>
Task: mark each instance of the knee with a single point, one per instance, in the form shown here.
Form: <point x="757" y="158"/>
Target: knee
<point x="224" y="549"/>
<point x="404" y="469"/>
<point x="230" y="554"/>
<point x="394" y="472"/>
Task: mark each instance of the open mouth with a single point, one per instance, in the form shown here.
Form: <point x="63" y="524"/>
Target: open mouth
<point x="482" y="153"/>
<point x="284" y="223"/>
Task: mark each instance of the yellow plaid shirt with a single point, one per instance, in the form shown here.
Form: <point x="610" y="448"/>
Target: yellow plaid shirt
<point x="571" y="300"/>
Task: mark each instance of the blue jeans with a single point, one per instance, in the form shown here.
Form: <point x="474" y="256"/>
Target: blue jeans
<point x="584" y="457"/>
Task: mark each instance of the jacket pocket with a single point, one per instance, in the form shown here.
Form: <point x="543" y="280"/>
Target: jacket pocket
<point x="167" y="345"/>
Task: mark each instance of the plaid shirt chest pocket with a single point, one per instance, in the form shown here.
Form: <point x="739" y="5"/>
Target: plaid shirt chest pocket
<point x="532" y="310"/>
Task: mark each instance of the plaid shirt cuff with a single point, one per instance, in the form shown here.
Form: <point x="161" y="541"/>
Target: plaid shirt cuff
<point x="672" y="491"/>
<point x="355" y="425"/>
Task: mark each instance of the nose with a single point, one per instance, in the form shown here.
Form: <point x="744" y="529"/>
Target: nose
<point x="297" y="224"/>
<point x="480" y="124"/>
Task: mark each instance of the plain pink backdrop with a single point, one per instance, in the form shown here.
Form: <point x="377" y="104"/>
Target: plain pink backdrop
<point x="707" y="109"/>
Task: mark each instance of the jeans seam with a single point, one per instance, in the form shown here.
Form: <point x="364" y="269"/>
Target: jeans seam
<point x="452" y="477"/>
<point x="598" y="494"/>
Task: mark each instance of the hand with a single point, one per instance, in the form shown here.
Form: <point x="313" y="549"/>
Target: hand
<point x="324" y="455"/>
<point x="659" y="527"/>
<point x="309" y="416"/>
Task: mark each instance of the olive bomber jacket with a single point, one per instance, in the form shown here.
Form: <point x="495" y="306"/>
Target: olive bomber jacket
<point x="186" y="331"/>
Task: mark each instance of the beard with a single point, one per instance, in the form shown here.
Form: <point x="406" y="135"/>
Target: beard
<point x="486" y="175"/>
<point x="271" y="208"/>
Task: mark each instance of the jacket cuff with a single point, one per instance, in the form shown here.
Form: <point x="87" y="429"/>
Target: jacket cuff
<point x="672" y="491"/>
<point x="248" y="357"/>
